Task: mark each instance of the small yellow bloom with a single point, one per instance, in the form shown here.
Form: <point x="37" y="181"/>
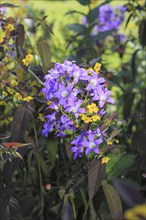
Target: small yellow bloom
<point x="105" y="160"/>
<point x="41" y="117"/>
<point x="97" y="67"/>
<point x="1" y="39"/>
<point x="2" y="103"/>
<point x="28" y="99"/>
<point x="85" y="118"/>
<point x="95" y="117"/>
<point x="9" y="27"/>
<point x="13" y="83"/>
<point x="117" y="141"/>
<point x="90" y="71"/>
<point x="136" y="212"/>
<point x="4" y="93"/>
<point x="10" y="90"/>
<point x="92" y="108"/>
<point x="27" y="60"/>
<point x="109" y="142"/>
<point x="49" y="102"/>
<point x="18" y="96"/>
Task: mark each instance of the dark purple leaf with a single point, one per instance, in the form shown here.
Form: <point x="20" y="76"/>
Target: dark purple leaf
<point x="96" y="173"/>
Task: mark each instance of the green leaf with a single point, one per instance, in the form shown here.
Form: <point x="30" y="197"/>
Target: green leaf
<point x="77" y="28"/>
<point x="96" y="173"/>
<point x="129" y="99"/>
<point x="142" y="32"/>
<point x="7" y="5"/>
<point x="133" y="64"/>
<point x="122" y="163"/>
<point x="74" y="11"/>
<point x="52" y="147"/>
<point x="101" y="36"/>
<point x="84" y="2"/>
<point x="42" y="163"/>
<point x="93" y="14"/>
<point x="113" y="200"/>
<point x="115" y="133"/>
<point x="45" y="54"/>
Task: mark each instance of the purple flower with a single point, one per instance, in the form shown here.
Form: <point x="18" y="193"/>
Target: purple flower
<point x="92" y="144"/>
<point x="70" y="90"/>
<point x="103" y="96"/>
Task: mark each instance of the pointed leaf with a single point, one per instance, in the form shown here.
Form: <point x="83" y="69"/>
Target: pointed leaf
<point x="84" y="2"/>
<point x="15" y="210"/>
<point x="115" y="133"/>
<point x="22" y="118"/>
<point x="79" y="28"/>
<point x="129" y="192"/>
<point x="121" y="166"/>
<point x="7" y="5"/>
<point x="52" y="147"/>
<point x="133" y="64"/>
<point x="20" y="35"/>
<point x="45" y="54"/>
<point x="96" y="173"/>
<point x="14" y="144"/>
<point x="113" y="200"/>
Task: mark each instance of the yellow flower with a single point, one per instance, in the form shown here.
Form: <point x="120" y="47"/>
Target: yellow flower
<point x="28" y="98"/>
<point x="117" y="141"/>
<point x="9" y="27"/>
<point x="4" y="93"/>
<point x="1" y="39"/>
<point x="27" y="60"/>
<point x="11" y="91"/>
<point x="109" y="142"/>
<point x="85" y="118"/>
<point x="49" y="102"/>
<point x="105" y="160"/>
<point x="18" y="96"/>
<point x="95" y="117"/>
<point x="136" y="212"/>
<point x="13" y="82"/>
<point x="90" y="71"/>
<point x="92" y="108"/>
<point x="41" y="117"/>
<point x="97" y="67"/>
<point x="2" y="103"/>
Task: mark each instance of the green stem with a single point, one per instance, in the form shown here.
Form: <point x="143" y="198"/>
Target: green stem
<point x="39" y="169"/>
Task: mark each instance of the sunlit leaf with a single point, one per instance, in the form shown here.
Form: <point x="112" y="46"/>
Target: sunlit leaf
<point x="45" y="54"/>
<point x="113" y="200"/>
<point x="14" y="144"/>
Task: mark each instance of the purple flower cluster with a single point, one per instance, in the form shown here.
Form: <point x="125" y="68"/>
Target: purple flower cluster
<point x="108" y="19"/>
<point x="77" y="99"/>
